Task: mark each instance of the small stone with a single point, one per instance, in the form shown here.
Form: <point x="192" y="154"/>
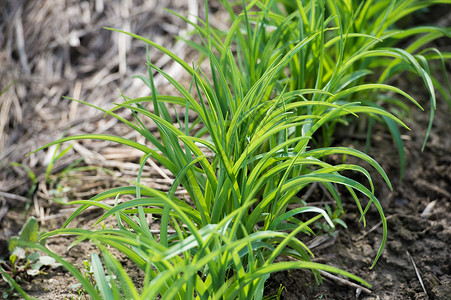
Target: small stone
<point x="367" y="250"/>
<point x="395" y="246"/>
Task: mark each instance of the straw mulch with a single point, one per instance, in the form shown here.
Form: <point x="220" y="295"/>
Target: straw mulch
<point x="51" y="49"/>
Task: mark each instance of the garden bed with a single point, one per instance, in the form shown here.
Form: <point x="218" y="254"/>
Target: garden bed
<point x="83" y="61"/>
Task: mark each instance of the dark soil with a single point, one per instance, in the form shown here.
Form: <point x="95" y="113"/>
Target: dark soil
<point x="418" y="213"/>
<point x="418" y="210"/>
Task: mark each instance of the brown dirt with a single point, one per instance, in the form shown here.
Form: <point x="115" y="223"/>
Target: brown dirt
<point x="72" y="56"/>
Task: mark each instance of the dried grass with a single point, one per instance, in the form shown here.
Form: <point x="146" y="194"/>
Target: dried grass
<point x="58" y="48"/>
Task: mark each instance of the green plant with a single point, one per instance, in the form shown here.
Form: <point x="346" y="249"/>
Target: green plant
<point x="23" y="261"/>
<point x="354" y="54"/>
<point x="33" y="178"/>
<point x="335" y="217"/>
<point x="53" y="181"/>
<point x="246" y="156"/>
<point x="226" y="249"/>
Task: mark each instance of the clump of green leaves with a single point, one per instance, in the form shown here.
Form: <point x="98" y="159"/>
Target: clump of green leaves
<point x="244" y="159"/>
<point x="25" y="262"/>
<point x="354" y="54"/>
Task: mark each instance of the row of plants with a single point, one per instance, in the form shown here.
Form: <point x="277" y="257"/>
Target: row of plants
<point x="281" y="79"/>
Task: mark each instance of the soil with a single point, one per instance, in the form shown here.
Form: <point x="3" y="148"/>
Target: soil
<point x="419" y="223"/>
<point x="416" y="262"/>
